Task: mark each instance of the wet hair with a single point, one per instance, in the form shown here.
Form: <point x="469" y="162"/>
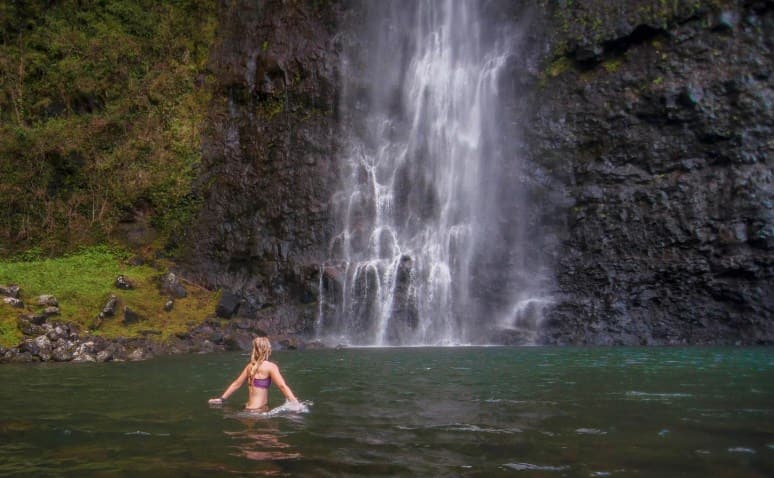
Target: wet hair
<point x="261" y="352"/>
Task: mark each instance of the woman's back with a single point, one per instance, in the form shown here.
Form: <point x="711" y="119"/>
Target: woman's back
<point x="258" y="386"/>
<point x="259" y="374"/>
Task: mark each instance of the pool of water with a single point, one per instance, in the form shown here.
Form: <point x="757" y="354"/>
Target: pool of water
<point x="401" y="412"/>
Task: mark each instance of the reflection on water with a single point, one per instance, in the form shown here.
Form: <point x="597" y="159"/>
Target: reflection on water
<point x="261" y="441"/>
<point x="260" y="438"/>
<point x="402" y="412"/>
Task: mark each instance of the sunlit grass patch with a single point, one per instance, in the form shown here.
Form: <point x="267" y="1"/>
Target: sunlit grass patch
<point x="83" y="282"/>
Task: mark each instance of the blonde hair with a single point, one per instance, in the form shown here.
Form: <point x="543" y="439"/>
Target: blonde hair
<point x="261" y="352"/>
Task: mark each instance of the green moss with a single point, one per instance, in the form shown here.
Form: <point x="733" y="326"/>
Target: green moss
<point x="82" y="283"/>
<point x="611" y="66"/>
<point x="558" y="66"/>
<point x="271" y="107"/>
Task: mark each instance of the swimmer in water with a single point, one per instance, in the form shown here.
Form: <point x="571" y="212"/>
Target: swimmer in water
<point x="259" y="375"/>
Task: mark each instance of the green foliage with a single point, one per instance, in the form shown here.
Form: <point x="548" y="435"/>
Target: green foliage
<point x="82" y="282"/>
<point x="611" y="66"/>
<point x="101" y="107"/>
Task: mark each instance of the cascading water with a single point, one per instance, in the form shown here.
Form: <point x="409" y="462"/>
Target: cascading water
<point x="421" y="226"/>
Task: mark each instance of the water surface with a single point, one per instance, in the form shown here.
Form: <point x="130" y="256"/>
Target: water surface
<point x="402" y="412"/>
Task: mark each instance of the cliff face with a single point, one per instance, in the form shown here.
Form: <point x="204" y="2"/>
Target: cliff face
<point x="648" y="149"/>
<point x="268" y="164"/>
<point x="656" y="125"/>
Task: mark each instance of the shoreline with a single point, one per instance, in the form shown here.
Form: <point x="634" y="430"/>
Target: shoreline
<point x="54" y="341"/>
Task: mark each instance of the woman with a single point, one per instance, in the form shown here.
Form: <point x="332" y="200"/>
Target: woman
<point x="259" y="374"/>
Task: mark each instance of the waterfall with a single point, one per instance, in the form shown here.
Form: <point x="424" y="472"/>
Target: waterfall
<point x="423" y="252"/>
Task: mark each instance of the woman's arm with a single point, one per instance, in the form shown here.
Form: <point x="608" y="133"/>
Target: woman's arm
<point x="231" y="388"/>
<point x="276" y="377"/>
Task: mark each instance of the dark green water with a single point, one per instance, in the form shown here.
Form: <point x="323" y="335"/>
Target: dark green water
<point x="402" y="412"/>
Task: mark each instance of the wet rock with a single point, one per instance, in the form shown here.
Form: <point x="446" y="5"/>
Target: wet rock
<point x="104" y="356"/>
<point x="62" y="353"/>
<point x="227" y="305"/>
<point x="239" y="341"/>
<point x="727" y="20"/>
<point x="51" y="310"/>
<point x="37" y="319"/>
<point x="204" y="347"/>
<point x="84" y="352"/>
<point x="314" y="345"/>
<point x="137" y="355"/>
<point x="29" y="328"/>
<point x="254" y="233"/>
<point x="41" y="346"/>
<point x="662" y="244"/>
<point x="110" y="306"/>
<point x="13" y="302"/>
<point x="46" y="300"/>
<point x="10" y="291"/>
<point x="286" y="343"/>
<point x="122" y="282"/>
<point x="22" y="357"/>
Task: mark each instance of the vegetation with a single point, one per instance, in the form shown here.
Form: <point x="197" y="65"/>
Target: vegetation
<point x="82" y="283"/>
<point x="101" y="108"/>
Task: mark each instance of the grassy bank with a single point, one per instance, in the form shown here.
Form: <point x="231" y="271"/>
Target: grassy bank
<point x="82" y="283"/>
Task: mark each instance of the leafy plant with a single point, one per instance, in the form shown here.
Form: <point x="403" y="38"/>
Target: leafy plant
<point x="101" y="106"/>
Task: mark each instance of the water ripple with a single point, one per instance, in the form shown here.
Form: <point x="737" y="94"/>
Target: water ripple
<point x="533" y="467"/>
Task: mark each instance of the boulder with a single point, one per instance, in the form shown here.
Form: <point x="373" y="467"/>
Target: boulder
<point x="137" y="355"/>
<point x="13" y="302"/>
<point x="46" y="300"/>
<point x="29" y="328"/>
<point x="84" y="352"/>
<point x="239" y="340"/>
<point x="51" y="310"/>
<point x="21" y="357"/>
<point x="131" y="317"/>
<point x="110" y="307"/>
<point x="37" y="319"/>
<point x="10" y="291"/>
<point x="122" y="282"/>
<point x="62" y="353"/>
<point x="170" y="285"/>
<point x="227" y="305"/>
<point x="40" y="346"/>
<point x="104" y="356"/>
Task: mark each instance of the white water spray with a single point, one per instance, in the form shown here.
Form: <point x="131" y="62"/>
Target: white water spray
<point x="415" y="213"/>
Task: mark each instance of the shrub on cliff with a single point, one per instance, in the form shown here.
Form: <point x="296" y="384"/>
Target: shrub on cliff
<point x="101" y="104"/>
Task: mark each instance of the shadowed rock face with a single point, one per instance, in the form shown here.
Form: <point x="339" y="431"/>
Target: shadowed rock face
<point x="657" y="138"/>
<point x="648" y="166"/>
<point x="268" y="153"/>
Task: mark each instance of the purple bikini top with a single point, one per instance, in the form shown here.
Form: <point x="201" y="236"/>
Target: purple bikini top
<point x="262" y="382"/>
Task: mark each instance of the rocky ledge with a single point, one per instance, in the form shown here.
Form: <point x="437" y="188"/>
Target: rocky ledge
<point x="51" y="340"/>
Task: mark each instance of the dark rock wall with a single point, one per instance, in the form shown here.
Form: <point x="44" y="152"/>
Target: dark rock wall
<point x="653" y="121"/>
<point x="648" y="141"/>
<point x="268" y="154"/>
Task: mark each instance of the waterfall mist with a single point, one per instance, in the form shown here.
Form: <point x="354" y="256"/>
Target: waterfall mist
<point x="430" y="243"/>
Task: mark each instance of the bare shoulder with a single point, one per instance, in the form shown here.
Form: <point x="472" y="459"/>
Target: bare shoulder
<point x="269" y="366"/>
